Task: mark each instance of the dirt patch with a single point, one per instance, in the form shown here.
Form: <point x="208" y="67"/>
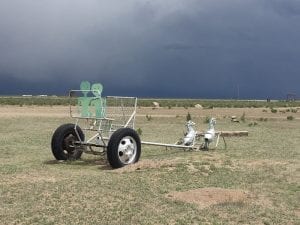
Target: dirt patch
<point x="297" y="213"/>
<point x="148" y="164"/>
<point x="206" y="197"/>
<point x="9" y="111"/>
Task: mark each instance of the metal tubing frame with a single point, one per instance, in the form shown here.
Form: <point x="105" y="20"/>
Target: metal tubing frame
<point x="131" y="119"/>
<point x="97" y="135"/>
<point x="91" y="141"/>
<point x="168" y="145"/>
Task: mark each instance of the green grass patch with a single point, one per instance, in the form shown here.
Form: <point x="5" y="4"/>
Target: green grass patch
<point x="148" y="102"/>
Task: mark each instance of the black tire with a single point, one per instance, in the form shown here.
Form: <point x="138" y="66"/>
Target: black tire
<point x="124" y="148"/>
<point x="62" y="143"/>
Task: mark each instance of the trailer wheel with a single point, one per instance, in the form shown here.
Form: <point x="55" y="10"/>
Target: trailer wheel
<point x="124" y="147"/>
<point x="206" y="143"/>
<point x="62" y="144"/>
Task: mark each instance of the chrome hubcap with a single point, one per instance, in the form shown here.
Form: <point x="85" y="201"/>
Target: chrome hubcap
<point x="127" y="150"/>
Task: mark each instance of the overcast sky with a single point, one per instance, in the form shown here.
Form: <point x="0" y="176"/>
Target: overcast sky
<point x="151" y="48"/>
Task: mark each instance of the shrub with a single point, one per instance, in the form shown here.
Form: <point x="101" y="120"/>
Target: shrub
<point x="212" y="167"/>
<point x="290" y="118"/>
<point x="139" y="131"/>
<point x="206" y="119"/>
<point x="188" y="117"/>
<point x="252" y="124"/>
<point x="273" y="110"/>
<point x="294" y="110"/>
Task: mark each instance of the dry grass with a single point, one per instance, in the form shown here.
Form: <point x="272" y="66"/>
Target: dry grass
<point x="147" y="164"/>
<point x="254" y="181"/>
<point x="206" y="197"/>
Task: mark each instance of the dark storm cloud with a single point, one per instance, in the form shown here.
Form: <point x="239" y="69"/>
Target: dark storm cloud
<point x="285" y="7"/>
<point x="170" y="48"/>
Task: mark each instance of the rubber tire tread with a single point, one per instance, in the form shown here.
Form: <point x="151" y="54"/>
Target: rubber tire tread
<point x="58" y="138"/>
<point x="113" y="144"/>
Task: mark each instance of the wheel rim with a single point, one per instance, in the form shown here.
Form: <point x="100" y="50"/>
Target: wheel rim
<point x="206" y="144"/>
<point x="68" y="144"/>
<point x="127" y="150"/>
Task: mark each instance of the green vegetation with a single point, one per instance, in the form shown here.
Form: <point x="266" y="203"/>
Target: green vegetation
<point x="209" y="104"/>
<point x="36" y="189"/>
<point x="188" y="117"/>
<point x="273" y="110"/>
<point x="37" y="101"/>
<point x="169" y="103"/>
<point x="294" y="110"/>
<point x="206" y="119"/>
<point x="139" y="131"/>
<point x="252" y="124"/>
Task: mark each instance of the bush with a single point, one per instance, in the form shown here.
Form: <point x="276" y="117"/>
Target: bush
<point x="139" y="131"/>
<point x="252" y="124"/>
<point x="273" y="110"/>
<point x="290" y="118"/>
<point x="294" y="110"/>
<point x="207" y="119"/>
<point x="148" y="117"/>
<point x="188" y="117"/>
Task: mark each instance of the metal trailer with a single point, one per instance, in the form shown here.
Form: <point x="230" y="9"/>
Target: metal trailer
<point x="106" y="126"/>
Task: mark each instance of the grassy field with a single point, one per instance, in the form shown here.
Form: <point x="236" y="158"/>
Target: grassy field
<point x="254" y="181"/>
<point x="148" y="102"/>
